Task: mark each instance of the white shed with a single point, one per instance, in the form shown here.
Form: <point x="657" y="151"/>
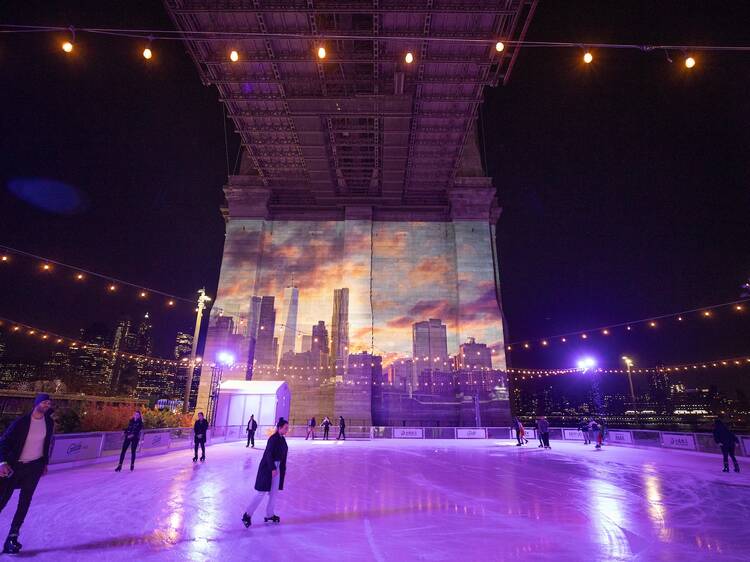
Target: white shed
<point x="266" y="400"/>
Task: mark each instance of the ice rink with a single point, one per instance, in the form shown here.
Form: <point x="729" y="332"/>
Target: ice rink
<point x="399" y="500"/>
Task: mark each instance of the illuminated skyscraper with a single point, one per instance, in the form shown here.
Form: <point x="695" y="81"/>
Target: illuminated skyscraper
<point x="340" y="328"/>
<point x="264" y="345"/>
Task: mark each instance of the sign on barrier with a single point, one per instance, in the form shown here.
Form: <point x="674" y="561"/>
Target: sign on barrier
<point x="572" y="435"/>
<point x="408" y="433"/>
<point x="529" y="433"/>
<point x="155" y="440"/>
<point x="69" y="449"/>
<point x="624" y="437"/>
<point x="678" y="441"/>
<point x="471" y="433"/>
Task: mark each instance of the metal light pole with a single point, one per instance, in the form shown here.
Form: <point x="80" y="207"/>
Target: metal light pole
<point x="202" y="300"/>
<point x="629" y="365"/>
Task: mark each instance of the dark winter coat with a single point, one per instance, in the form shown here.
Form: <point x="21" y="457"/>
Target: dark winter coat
<point x="200" y="427"/>
<point x="326" y="424"/>
<point x="542" y="426"/>
<point x="516" y="424"/>
<point x="14" y="438"/>
<point x="134" y="428"/>
<point x="724" y="436"/>
<point x="276" y="450"/>
<point x="251" y="426"/>
<point x="342" y="423"/>
<point x="312" y="423"/>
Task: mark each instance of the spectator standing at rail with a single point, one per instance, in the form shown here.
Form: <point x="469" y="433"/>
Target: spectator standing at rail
<point x="200" y="427"/>
<point x="728" y="440"/>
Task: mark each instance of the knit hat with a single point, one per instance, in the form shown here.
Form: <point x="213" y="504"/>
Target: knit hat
<point x="41" y="397"/>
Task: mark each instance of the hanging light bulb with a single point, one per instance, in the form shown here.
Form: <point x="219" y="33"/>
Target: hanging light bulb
<point x="67" y="47"/>
<point x="499" y="46"/>
<point x="321" y="52"/>
<point x="234" y="56"/>
<point x="147" y="54"/>
<point x="689" y="62"/>
<point x="588" y="57"/>
<point x="409" y="58"/>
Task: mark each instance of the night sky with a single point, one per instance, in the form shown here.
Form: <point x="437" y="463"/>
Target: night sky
<point x="624" y="182"/>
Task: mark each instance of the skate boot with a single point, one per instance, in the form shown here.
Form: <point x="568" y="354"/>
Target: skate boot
<point x="246" y="520"/>
<point x="12" y="546"/>
<point x="119" y="468"/>
<point x="132" y="467"/>
<point x="272" y="519"/>
<point x="736" y="468"/>
<point x="195" y="459"/>
<point x="726" y="468"/>
<point x="203" y="459"/>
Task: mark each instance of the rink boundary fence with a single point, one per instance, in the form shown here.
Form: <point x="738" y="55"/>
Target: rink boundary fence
<point x="70" y="450"/>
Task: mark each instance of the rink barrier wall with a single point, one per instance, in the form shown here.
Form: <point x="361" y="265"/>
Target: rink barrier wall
<point x="70" y="450"/>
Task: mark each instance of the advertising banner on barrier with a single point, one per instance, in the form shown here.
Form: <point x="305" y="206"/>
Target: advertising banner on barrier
<point x="572" y="435"/>
<point x="69" y="449"/>
<point x="529" y="433"/>
<point x="624" y="437"/>
<point x="678" y="441"/>
<point x="471" y="433"/>
<point x="155" y="440"/>
<point x="408" y="433"/>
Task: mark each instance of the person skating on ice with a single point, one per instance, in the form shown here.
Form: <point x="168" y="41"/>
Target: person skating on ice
<point x="592" y="429"/>
<point x="543" y="429"/>
<point x="252" y="426"/>
<point x="600" y="431"/>
<point x="311" y="428"/>
<point x="728" y="440"/>
<point x="518" y="426"/>
<point x="132" y="436"/>
<point x="583" y="427"/>
<point x="270" y="478"/>
<point x="326" y="423"/>
<point x="342" y="429"/>
<point x="24" y="455"/>
<point x="200" y="427"/>
<point x="539" y="433"/>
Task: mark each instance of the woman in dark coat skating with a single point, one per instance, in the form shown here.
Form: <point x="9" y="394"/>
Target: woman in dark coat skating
<point x="271" y="472"/>
<point x="132" y="436"/>
<point x="727" y="439"/>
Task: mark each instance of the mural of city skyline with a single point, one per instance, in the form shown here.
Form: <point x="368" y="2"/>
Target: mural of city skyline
<point x="311" y="295"/>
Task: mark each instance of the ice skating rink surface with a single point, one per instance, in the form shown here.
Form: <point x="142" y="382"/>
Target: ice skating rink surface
<point x="399" y="500"/>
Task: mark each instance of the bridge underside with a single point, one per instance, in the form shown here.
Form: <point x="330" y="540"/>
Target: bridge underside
<point x="360" y="252"/>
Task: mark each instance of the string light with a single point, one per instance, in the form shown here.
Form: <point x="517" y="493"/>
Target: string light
<point x="588" y="57"/>
<point x="321" y="52"/>
<point x="79" y="276"/>
<point x="234" y="56"/>
<point x="689" y="62"/>
<point x="4" y="258"/>
<point x="67" y="46"/>
<point x="112" y="288"/>
<point x="409" y="58"/>
<point x="147" y="54"/>
<point x="499" y="46"/>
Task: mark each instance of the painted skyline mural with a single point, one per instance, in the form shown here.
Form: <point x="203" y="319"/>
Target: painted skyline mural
<point x="395" y="275"/>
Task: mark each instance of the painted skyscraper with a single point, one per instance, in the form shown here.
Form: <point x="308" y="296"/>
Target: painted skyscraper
<point x="362" y="176"/>
<point x="289" y="320"/>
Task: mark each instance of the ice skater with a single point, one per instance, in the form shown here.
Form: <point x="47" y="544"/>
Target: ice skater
<point x="342" y="429"/>
<point x="24" y="455"/>
<point x="252" y="426"/>
<point x="592" y="430"/>
<point x="539" y="433"/>
<point x="270" y="478"/>
<point x="600" y="431"/>
<point x="583" y="427"/>
<point x="520" y="432"/>
<point x="326" y="423"/>
<point x="132" y="436"/>
<point x="199" y="434"/>
<point x="311" y="424"/>
<point x="543" y="429"/>
<point x="727" y="439"/>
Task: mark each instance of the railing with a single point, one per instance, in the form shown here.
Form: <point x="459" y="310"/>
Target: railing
<point x="75" y="449"/>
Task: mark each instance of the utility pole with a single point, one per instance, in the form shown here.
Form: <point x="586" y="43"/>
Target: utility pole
<point x="203" y="298"/>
